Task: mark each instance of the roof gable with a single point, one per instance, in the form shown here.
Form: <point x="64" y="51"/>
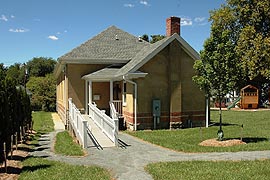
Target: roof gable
<point x="150" y="51"/>
<point x="111" y="45"/>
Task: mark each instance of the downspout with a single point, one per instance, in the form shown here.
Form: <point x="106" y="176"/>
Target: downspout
<point x="135" y="101"/>
<point x="66" y="96"/>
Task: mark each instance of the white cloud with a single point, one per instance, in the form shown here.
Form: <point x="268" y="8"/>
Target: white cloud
<point x="54" y="38"/>
<point x="144" y="3"/>
<point x="3" y="18"/>
<point x="186" y="22"/>
<point x="200" y="19"/>
<point x="129" y="5"/>
<point x="12" y="16"/>
<point x="21" y="30"/>
<point x="65" y="31"/>
<point x="37" y="20"/>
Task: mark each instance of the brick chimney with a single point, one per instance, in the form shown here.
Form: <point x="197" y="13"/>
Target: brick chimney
<point x="172" y="26"/>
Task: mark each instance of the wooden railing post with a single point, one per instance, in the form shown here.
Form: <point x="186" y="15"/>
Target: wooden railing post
<point x="116" y="127"/>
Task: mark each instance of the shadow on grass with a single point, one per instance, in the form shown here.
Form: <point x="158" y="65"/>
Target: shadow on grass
<point x="11" y="170"/>
<point x="25" y="148"/>
<point x="254" y="139"/>
<point x="35" y="168"/>
<point x="224" y="124"/>
<point x="250" y="139"/>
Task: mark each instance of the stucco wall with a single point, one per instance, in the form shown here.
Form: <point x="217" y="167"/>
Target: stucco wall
<point x="169" y="79"/>
<point x="60" y="101"/>
<point x="102" y="90"/>
<point x="76" y="85"/>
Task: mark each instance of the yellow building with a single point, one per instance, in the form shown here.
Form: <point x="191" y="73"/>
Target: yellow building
<point x="150" y="84"/>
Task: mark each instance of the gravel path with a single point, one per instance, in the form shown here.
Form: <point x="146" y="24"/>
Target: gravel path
<point x="128" y="162"/>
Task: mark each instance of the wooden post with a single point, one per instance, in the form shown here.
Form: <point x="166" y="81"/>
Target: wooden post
<point x="5" y="157"/>
<point x="242" y="129"/>
<point x="21" y="134"/>
<point x="16" y="140"/>
<point x="11" y="146"/>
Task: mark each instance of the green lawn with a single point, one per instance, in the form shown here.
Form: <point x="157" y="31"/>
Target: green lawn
<point x="42" y="122"/>
<point x="256" y="133"/>
<point x="208" y="170"/>
<point x="39" y="168"/>
<point x="65" y="145"/>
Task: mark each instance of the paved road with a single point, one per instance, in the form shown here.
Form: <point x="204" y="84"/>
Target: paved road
<point x="128" y="162"/>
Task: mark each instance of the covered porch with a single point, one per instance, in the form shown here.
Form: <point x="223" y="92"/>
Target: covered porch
<point x="107" y="89"/>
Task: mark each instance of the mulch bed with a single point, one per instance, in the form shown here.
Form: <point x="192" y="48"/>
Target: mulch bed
<point x="14" y="166"/>
<point x="224" y="143"/>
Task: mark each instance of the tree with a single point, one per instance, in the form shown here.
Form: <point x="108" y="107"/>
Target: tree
<point x="16" y="72"/>
<point x="253" y="46"/>
<point x="145" y="37"/>
<point x="43" y="91"/>
<point x="217" y="71"/>
<point x="39" y="67"/>
<point x="156" y="38"/>
<point x="2" y="72"/>
<point x="238" y="49"/>
<point x="153" y="39"/>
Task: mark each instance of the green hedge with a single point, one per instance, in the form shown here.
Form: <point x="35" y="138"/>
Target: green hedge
<point x="15" y="111"/>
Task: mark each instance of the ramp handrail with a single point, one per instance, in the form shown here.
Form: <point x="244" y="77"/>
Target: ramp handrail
<point x="114" y="113"/>
<point x="108" y="125"/>
<point x="78" y="123"/>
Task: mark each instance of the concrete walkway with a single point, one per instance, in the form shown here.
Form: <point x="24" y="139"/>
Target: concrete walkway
<point x="128" y="162"/>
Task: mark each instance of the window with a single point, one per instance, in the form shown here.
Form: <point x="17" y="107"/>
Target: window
<point x="124" y="93"/>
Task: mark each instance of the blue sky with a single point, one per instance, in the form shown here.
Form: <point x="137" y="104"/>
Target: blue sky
<point x="51" y="28"/>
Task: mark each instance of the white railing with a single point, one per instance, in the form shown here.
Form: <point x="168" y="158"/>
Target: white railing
<point x="108" y="125"/>
<point x="114" y="113"/>
<point x="78" y="124"/>
<point x="118" y="106"/>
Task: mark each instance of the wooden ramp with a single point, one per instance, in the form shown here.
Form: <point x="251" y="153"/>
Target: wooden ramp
<point x="99" y="138"/>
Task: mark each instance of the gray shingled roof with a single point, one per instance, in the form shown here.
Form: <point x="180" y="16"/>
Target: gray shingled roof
<point x="106" y="73"/>
<point x="113" y="44"/>
<point x="143" y="56"/>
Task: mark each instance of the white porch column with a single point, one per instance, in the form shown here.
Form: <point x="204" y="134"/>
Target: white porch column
<point x="111" y="90"/>
<point x="90" y="92"/>
<point x="111" y="94"/>
<point x="86" y="97"/>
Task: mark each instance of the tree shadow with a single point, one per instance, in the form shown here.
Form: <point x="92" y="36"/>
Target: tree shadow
<point x="16" y="158"/>
<point x="249" y="139"/>
<point x="25" y="148"/>
<point x="223" y="124"/>
<point x="11" y="170"/>
<point x="35" y="168"/>
<point x="254" y="139"/>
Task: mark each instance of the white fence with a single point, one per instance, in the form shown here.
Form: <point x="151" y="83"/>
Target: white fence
<point x="118" y="106"/>
<point x="108" y="125"/>
<point x="78" y="124"/>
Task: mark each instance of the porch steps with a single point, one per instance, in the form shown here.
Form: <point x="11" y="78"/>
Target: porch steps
<point x="99" y="136"/>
